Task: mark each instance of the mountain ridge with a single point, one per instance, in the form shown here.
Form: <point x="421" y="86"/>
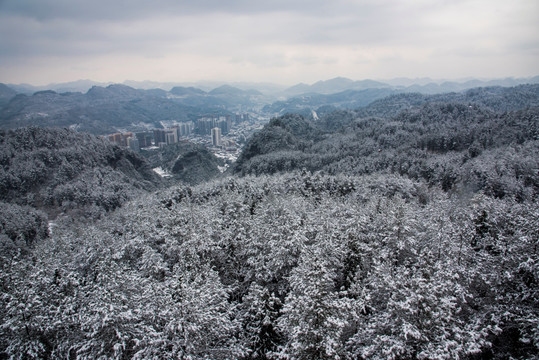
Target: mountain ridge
<point x="338" y="83"/>
<point x="119" y="107"/>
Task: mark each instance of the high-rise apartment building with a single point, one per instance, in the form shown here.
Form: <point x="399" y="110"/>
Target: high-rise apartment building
<point x="144" y="138"/>
<point x="216" y="136"/>
<point x="171" y="137"/>
<point x="165" y="136"/>
<point x="120" y="138"/>
<point x="133" y="144"/>
<point x="159" y="136"/>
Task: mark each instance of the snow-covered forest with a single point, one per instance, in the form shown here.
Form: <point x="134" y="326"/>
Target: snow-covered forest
<point x="405" y="230"/>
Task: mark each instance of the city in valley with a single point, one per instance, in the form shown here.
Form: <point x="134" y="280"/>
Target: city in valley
<point x="223" y="135"/>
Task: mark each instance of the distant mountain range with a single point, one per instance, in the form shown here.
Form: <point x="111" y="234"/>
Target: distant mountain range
<point x="99" y="111"/>
<point x="424" y="85"/>
<point x="347" y="99"/>
<point x="338" y="84"/>
<point x="103" y="110"/>
<point x="116" y="107"/>
<point x="335" y="85"/>
<point x="84" y="85"/>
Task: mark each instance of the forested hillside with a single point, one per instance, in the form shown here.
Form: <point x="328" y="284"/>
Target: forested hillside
<point x="493" y="98"/>
<point x="99" y="111"/>
<point x="6" y="94"/>
<point x="285" y="266"/>
<point x="461" y="146"/>
<point x="404" y="230"/>
<point x="59" y="170"/>
<point x="186" y="162"/>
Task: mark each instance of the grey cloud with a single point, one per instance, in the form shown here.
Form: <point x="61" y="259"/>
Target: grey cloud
<point x="110" y="10"/>
<point x="75" y="27"/>
<point x="66" y="38"/>
<point x="313" y="60"/>
<point x="337" y="23"/>
<point x="306" y="22"/>
<point x="267" y="34"/>
<point x="262" y="60"/>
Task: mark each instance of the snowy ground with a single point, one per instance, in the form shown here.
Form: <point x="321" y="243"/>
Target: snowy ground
<point x="161" y="172"/>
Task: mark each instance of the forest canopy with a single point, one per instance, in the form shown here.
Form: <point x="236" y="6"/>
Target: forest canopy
<point x="61" y="170"/>
<point x="464" y="147"/>
<point x="286" y="266"/>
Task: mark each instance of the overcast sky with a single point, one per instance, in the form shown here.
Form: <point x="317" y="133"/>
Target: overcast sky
<point x="281" y="41"/>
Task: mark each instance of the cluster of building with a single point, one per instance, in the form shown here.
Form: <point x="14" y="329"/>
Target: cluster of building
<point x="126" y="139"/>
<point x="216" y="126"/>
<point x="205" y="125"/>
<point x="163" y="137"/>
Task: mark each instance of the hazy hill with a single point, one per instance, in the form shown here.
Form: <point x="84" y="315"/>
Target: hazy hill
<point x="297" y="89"/>
<point x="225" y="96"/>
<point x="82" y="86"/>
<point x="449" y="86"/>
<point x="116" y="91"/>
<point x="235" y="97"/>
<point x="332" y="86"/>
<point x="6" y="94"/>
<point x="192" y="96"/>
<point x="75" y="86"/>
<point x="183" y="91"/>
<point x="348" y="99"/>
<point x="424" y="85"/>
